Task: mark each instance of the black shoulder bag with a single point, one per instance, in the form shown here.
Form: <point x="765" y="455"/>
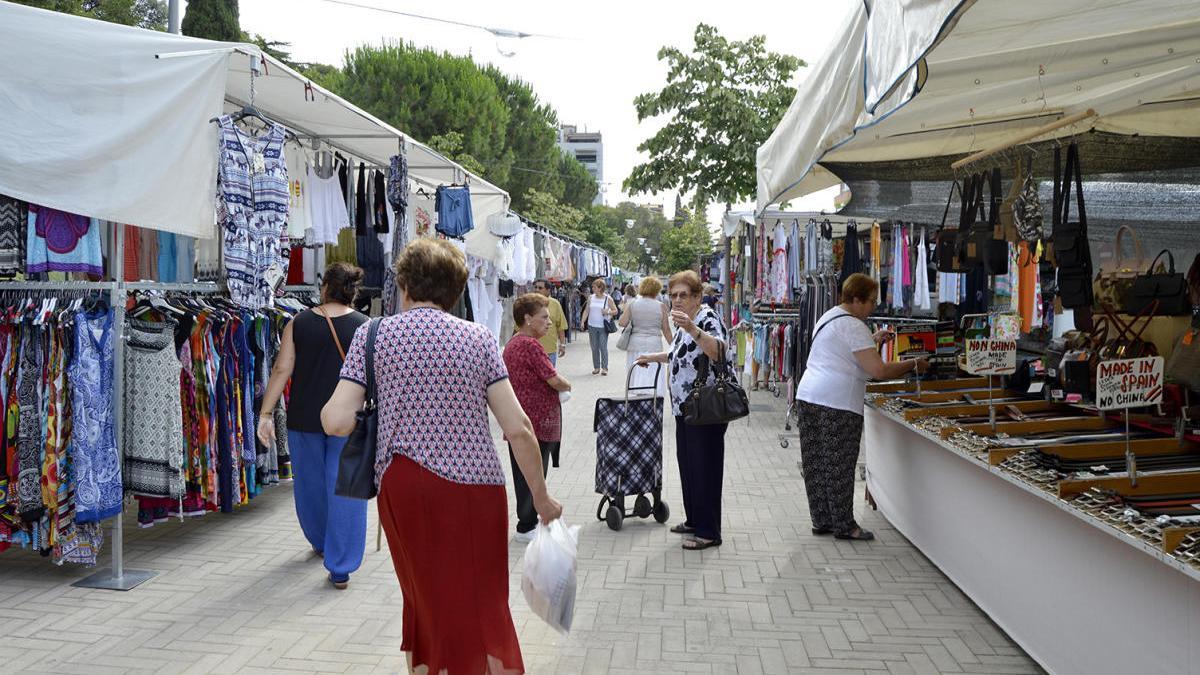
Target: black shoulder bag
<point x="1169" y="288"/>
<point x="719" y="402"/>
<point x="356" y="465"/>
<point x="1071" y="250"/>
<point x="944" y="253"/>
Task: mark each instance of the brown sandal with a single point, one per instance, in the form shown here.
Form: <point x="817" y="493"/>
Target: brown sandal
<point x="698" y="544"/>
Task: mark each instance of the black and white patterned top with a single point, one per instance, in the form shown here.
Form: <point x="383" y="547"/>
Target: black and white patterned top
<point x="685" y="355"/>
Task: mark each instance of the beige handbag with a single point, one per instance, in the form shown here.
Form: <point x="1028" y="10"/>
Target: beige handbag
<point x="1114" y="280"/>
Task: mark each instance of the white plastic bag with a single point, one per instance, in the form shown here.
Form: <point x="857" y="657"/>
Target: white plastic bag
<point x="548" y="575"/>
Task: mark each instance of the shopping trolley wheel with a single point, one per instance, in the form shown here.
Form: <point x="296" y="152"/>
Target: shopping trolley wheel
<point x="783" y="442"/>
<point x="641" y="507"/>
<point x="614" y="518"/>
<point x="778" y="392"/>
<point x="662" y="512"/>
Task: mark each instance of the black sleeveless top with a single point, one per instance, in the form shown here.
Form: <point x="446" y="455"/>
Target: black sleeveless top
<point x="318" y="366"/>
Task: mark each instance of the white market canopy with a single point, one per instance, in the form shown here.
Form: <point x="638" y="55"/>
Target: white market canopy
<point x="113" y="122"/>
<point x="911" y="79"/>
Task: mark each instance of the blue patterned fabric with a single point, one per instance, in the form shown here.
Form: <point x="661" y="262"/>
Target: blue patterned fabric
<point x="252" y="209"/>
<point x="454" y="211"/>
<point x="95" y="466"/>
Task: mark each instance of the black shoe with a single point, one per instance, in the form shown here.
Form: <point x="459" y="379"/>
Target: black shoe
<point x="822" y="530"/>
<point x="856" y="534"/>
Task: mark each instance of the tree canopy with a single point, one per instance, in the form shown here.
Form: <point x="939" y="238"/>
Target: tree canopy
<point x="151" y="14"/>
<point x="213" y="20"/>
<point x="722" y="101"/>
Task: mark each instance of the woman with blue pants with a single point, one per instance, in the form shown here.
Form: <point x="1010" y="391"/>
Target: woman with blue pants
<point x="335" y="527"/>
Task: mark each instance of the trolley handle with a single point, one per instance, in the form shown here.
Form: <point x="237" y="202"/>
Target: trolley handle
<point x="629" y="379"/>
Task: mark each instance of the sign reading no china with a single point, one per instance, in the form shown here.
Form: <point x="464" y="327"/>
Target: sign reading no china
<point x="1129" y="383"/>
<point x="991" y="357"/>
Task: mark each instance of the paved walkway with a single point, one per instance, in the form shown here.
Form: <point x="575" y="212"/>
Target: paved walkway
<point x="242" y="593"/>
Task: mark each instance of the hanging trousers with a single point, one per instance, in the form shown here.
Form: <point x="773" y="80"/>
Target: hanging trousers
<point x="598" y="337"/>
<point x="527" y="517"/>
<point x="335" y="526"/>
<point x="829" y="442"/>
<point x="700" y="451"/>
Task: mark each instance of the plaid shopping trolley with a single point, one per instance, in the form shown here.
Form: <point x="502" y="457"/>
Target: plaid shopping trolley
<point x="629" y="433"/>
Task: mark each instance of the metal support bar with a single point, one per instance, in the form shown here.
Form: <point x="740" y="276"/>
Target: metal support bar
<point x="192" y="287"/>
<point x="1024" y="138"/>
<point x="56" y="285"/>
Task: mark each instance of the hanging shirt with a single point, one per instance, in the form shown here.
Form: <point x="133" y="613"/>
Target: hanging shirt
<point x="327" y="208"/>
<point x="876" y="250"/>
<point x="14" y="219"/>
<point x="810" y="246"/>
<point x="897" y="278"/>
<point x="299" y="217"/>
<point x="779" y="290"/>
<point x="921" y="289"/>
<point x="57" y="241"/>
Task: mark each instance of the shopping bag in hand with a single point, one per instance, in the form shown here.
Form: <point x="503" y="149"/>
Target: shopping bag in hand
<point x="548" y="575"/>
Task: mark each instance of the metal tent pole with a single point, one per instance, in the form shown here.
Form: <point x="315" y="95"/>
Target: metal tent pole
<point x="117" y="578"/>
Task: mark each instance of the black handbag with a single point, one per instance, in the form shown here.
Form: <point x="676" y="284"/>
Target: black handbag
<point x="945" y="254"/>
<point x="356" y="465"/>
<point x="1169" y="288"/>
<point x="718" y="402"/>
<point x="1072" y="253"/>
<point x="979" y="246"/>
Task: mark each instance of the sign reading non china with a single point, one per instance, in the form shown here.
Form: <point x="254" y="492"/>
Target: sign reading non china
<point x="1129" y="383"/>
<point x="991" y="357"/>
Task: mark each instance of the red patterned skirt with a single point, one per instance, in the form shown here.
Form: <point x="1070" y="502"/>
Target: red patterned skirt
<point x="449" y="544"/>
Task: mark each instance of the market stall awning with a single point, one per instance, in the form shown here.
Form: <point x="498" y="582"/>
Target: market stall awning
<point x="113" y="122"/>
<point x="941" y="78"/>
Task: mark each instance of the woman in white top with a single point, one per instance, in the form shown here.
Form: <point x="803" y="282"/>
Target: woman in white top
<point x="651" y="326"/>
<point x="843" y="356"/>
<point x="600" y="306"/>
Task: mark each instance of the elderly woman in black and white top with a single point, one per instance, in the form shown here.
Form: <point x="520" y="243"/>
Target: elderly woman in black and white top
<point x="699" y="449"/>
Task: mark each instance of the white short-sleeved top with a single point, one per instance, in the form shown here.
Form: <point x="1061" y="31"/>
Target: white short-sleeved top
<point x="833" y="377"/>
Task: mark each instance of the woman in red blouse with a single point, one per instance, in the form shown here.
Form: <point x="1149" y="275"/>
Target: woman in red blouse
<point x="537" y="386"/>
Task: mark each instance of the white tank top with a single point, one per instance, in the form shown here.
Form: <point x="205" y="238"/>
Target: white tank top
<point x="596" y="310"/>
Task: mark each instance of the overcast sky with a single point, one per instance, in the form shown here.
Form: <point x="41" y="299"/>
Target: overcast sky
<point x="590" y="78"/>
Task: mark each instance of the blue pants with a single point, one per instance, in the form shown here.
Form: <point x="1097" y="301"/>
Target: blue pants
<point x="701" y="454"/>
<point x="335" y="526"/>
<point x="553" y="359"/>
<point x="598" y="337"/>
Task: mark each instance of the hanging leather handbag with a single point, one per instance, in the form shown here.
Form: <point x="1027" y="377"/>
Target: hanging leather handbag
<point x="356" y="464"/>
<point x="1184" y="366"/>
<point x="980" y="247"/>
<point x="1114" y="280"/>
<point x="1071" y="248"/>
<point x="718" y="402"/>
<point x="945" y="242"/>
<point x="1167" y="287"/>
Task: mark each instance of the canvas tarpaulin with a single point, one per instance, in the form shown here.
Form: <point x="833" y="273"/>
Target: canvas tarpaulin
<point x="113" y="122"/>
<point x="940" y="78"/>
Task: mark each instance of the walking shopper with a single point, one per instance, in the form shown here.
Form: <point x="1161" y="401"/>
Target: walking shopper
<point x="599" y="308"/>
<point x="651" y="326"/>
<point x="843" y="356"/>
<point x="537" y="385"/>
<point x="336" y="527"/>
<point x="699" y="449"/>
<point x="555" y="339"/>
<point x="441" y="486"/>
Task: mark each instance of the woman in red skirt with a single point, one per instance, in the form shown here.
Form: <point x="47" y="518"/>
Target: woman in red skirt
<point x="441" y="485"/>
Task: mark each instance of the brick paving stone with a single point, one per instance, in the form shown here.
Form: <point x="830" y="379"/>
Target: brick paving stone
<point x="242" y="593"/>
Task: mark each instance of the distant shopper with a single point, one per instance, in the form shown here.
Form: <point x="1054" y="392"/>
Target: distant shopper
<point x="599" y="308"/>
<point x="555" y="339"/>
<point x="335" y="527"/>
<point x="441" y="484"/>
<point x="699" y="449"/>
<point x="537" y="385"/>
<point x="843" y="355"/>
<point x="651" y="326"/>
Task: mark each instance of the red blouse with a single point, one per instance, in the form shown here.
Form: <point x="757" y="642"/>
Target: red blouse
<point x="528" y="369"/>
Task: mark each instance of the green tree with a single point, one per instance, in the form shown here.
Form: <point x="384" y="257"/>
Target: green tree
<point x="683" y="244"/>
<point x="450" y="144"/>
<point x="543" y="209"/>
<point x="151" y="14"/>
<point x="427" y="94"/>
<point x="213" y="20"/>
<point x="723" y="100"/>
<point x="578" y="185"/>
<point x="531" y="154"/>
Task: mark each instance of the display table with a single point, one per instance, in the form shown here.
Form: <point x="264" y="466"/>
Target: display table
<point x="1078" y="595"/>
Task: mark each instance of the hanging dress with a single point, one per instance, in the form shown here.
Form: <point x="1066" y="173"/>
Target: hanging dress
<point x="154" y="443"/>
<point x="252" y="209"/>
<point x="95" y="463"/>
<point x="921" y="275"/>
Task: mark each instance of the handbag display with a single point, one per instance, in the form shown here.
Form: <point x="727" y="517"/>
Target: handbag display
<point x="1114" y="281"/>
<point x="1168" y="288"/>
<point x="356" y="464"/>
<point x="979" y="246"/>
<point x="718" y="402"/>
<point x="1071" y="249"/>
<point x="1183" y="368"/>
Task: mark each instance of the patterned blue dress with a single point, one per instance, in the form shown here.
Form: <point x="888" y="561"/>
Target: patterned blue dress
<point x="95" y="466"/>
<point x="252" y="209"/>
